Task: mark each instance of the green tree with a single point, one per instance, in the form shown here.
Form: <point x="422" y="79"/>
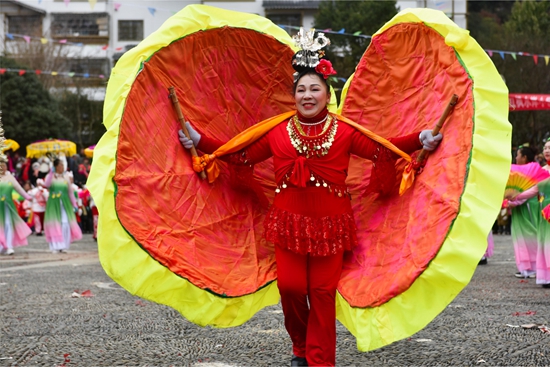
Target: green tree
<point x="527" y="30"/>
<point x="29" y="112"/>
<point x="498" y="9"/>
<point x="362" y="16"/>
<point x="86" y="114"/>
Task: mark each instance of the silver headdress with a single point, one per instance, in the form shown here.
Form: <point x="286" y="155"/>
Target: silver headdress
<point x="311" y="47"/>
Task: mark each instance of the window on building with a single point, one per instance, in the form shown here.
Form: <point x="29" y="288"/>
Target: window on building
<point x="130" y="30"/>
<point x="88" y="66"/>
<point x="288" y="19"/>
<point x="80" y="25"/>
<point x="30" y="25"/>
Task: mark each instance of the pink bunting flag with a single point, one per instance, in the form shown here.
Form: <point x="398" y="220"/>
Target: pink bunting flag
<point x="27" y="38"/>
<point x="117" y="6"/>
<point x="63" y="41"/>
<point x="536" y="59"/>
<point x="490" y="53"/>
<point x="67" y="2"/>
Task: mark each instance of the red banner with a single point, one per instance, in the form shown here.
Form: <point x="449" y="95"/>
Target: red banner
<point x="529" y="102"/>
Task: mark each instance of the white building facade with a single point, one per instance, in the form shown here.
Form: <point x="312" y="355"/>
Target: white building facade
<point x="95" y="33"/>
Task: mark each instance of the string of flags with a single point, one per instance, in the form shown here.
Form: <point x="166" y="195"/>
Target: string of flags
<point x="342" y="31"/>
<point x="514" y="54"/>
<point x="519" y="53"/>
<point x="70" y="74"/>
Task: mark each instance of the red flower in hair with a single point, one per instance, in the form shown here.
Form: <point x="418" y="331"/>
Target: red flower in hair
<point x="325" y="68"/>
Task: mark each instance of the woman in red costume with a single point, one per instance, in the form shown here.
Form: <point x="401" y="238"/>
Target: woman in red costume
<point x="311" y="220"/>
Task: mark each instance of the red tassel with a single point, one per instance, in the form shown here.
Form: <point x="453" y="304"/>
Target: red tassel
<point x="383" y="175"/>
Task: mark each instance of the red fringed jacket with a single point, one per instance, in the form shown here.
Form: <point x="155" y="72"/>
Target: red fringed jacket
<point x="311" y="212"/>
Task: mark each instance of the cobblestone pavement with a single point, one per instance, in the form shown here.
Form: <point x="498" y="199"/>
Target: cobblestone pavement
<point x="41" y="324"/>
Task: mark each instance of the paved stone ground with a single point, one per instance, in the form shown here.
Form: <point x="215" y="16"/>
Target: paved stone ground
<point x="40" y="324"/>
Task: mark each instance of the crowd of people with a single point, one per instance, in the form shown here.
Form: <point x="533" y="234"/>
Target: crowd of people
<point x="522" y="217"/>
<point x="45" y="197"/>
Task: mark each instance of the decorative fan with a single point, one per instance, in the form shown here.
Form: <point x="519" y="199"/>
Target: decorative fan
<point x="523" y="177"/>
<point x="198" y="247"/>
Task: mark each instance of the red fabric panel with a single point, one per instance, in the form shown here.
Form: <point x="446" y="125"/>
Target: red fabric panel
<point x="402" y="84"/>
<point x="226" y="79"/>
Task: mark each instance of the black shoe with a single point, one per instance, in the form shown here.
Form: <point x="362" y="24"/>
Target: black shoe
<point x="483" y="261"/>
<point x="547" y="285"/>
<point x="298" y="361"/>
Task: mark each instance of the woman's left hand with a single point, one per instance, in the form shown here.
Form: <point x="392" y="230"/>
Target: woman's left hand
<point x="428" y="141"/>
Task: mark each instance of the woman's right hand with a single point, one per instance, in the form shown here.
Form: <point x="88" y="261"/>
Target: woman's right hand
<point x="193" y="134"/>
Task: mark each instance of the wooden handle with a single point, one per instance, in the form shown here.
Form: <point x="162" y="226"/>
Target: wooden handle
<point x="181" y="119"/>
<point x="454" y="99"/>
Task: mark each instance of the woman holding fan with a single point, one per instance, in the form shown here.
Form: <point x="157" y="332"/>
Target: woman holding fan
<point x="525" y="218"/>
<point x="311" y="220"/>
<point x="541" y="192"/>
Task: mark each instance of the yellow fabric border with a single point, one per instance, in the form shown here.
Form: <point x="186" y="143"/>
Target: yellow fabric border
<point x="120" y="256"/>
<point x="451" y="270"/>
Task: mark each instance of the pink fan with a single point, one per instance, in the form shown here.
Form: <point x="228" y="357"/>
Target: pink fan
<point x="546" y="213"/>
<point x="523" y="177"/>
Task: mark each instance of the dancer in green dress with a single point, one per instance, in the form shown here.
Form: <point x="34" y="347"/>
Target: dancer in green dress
<point x="13" y="230"/>
<point x="60" y="225"/>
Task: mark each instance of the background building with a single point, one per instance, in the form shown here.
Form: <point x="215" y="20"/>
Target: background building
<point x="86" y="37"/>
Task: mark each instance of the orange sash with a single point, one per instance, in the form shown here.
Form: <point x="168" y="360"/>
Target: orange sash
<point x="253" y="133"/>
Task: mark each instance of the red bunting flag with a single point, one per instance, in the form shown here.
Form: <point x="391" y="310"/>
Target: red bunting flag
<point x="105" y="47"/>
<point x="2" y="71"/>
<point x="536" y="59"/>
<point x="38" y="72"/>
<point x="21" y="72"/>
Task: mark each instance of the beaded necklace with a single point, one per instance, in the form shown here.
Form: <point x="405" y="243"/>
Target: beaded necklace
<point x="311" y="146"/>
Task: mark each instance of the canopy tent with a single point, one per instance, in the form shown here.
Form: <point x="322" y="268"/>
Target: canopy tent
<point x="89" y="152"/>
<point x="52" y="146"/>
<point x="529" y="102"/>
<point x="10" y="144"/>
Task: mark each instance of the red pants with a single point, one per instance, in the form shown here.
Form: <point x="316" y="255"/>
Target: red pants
<point x="308" y="295"/>
<point x="38" y="222"/>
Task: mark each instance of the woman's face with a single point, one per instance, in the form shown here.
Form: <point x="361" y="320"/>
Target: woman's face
<point x="546" y="151"/>
<point x="311" y="95"/>
<point x="59" y="168"/>
<point x="3" y="167"/>
<point x="520" y="158"/>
